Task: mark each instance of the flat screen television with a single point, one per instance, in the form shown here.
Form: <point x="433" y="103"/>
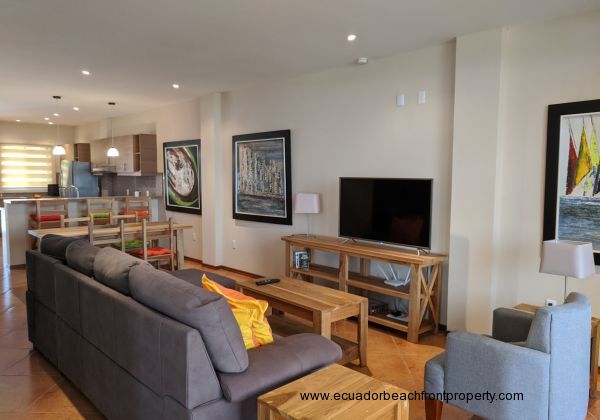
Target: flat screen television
<point x="396" y="211"/>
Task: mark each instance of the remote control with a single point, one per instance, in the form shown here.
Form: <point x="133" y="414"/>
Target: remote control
<point x="267" y="281"/>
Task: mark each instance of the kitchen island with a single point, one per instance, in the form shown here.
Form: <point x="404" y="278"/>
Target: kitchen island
<point x="16" y="216"/>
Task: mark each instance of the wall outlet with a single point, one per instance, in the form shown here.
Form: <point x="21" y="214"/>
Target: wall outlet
<point x="551" y="302"/>
<point x="422" y="99"/>
<point x="400" y="100"/>
<point x="233" y="244"/>
<point x="194" y="237"/>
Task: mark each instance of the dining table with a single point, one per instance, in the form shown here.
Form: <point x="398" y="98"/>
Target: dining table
<point x="130" y="229"/>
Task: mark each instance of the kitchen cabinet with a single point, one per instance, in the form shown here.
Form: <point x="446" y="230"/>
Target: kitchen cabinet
<point x="79" y="152"/>
<point x="137" y="154"/>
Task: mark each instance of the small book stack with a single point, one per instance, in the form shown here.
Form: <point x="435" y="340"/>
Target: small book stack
<point x="302" y="260"/>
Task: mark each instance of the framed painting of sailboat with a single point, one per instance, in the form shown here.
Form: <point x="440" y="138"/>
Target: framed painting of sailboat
<point x="572" y="194"/>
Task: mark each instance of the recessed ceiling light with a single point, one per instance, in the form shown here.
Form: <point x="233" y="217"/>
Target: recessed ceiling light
<point x="351" y="37"/>
<point x="75" y="108"/>
<point x="47" y="119"/>
<point x="56" y="114"/>
<point x="175" y="86"/>
<point x="18" y="120"/>
<point x="362" y="60"/>
<point x="50" y="122"/>
<point x="85" y="72"/>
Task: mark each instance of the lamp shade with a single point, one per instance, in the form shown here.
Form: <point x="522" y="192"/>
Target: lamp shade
<point x="307" y="203"/>
<point x="58" y="150"/>
<point x="112" y="152"/>
<point x="568" y="258"/>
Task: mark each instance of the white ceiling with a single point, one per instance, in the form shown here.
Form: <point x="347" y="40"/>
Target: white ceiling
<point x="136" y="49"/>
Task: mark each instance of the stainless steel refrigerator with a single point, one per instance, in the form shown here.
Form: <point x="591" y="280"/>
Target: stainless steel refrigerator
<point x="76" y="177"/>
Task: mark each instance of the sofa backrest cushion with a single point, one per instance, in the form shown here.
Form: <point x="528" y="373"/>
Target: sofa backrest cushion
<point x="111" y="267"/>
<point x="80" y="256"/>
<point x="205" y="311"/>
<point x="55" y="246"/>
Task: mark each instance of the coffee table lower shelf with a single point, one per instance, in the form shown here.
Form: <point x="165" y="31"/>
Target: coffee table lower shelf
<point x="285" y="326"/>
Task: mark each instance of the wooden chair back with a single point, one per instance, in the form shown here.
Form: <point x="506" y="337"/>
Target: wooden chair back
<point x="100" y="206"/>
<point x="152" y="232"/>
<point x="56" y="210"/>
<point x="106" y="235"/>
<point x="141" y="207"/>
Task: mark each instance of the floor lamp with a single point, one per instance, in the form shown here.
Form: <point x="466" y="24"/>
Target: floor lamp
<point x="568" y="259"/>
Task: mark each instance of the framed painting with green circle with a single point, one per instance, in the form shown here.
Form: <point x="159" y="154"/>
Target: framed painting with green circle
<point x="182" y="176"/>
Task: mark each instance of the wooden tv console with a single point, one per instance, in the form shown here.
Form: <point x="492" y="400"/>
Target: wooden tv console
<point x="422" y="293"/>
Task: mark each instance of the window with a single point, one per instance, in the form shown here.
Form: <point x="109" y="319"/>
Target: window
<point x="25" y="166"/>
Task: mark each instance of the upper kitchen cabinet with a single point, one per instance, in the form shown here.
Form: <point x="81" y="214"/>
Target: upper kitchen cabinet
<point x="137" y="155"/>
<point x="79" y="152"/>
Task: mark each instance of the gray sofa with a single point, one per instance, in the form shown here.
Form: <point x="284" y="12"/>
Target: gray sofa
<point x="545" y="356"/>
<point x="144" y="344"/>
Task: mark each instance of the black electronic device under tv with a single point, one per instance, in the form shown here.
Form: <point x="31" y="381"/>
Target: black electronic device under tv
<point x="396" y="211"/>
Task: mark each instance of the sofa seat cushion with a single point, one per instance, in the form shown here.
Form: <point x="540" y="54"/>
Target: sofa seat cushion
<point x="434" y="373"/>
<point x="80" y="256"/>
<point x="194" y="276"/>
<point x="111" y="268"/>
<point x="276" y="364"/>
<point x="204" y="311"/>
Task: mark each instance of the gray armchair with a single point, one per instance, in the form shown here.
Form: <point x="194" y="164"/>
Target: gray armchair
<point x="545" y="357"/>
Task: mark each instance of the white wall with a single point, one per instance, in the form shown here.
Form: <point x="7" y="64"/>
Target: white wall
<point x="14" y="132"/>
<point x="541" y="64"/>
<point x="345" y="122"/>
<point x="548" y="63"/>
<point x="180" y="121"/>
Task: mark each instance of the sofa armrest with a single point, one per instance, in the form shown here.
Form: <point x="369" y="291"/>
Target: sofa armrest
<point x="479" y="364"/>
<point x="511" y="325"/>
<point x="278" y="363"/>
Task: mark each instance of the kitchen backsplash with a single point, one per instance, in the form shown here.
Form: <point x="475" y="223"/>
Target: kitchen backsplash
<point x="118" y="185"/>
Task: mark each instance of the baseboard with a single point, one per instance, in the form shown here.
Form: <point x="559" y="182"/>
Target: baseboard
<point x="224" y="267"/>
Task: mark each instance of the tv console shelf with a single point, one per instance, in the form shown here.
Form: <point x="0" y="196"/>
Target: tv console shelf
<point x="422" y="293"/>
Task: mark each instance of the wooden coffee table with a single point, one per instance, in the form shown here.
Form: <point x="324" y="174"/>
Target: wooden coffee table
<point x="318" y="304"/>
<point x="286" y="402"/>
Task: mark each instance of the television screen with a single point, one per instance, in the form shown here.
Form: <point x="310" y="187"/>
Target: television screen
<point x="386" y="210"/>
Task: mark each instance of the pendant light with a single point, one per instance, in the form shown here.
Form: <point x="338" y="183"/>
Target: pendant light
<point x="58" y="150"/>
<point x="112" y="151"/>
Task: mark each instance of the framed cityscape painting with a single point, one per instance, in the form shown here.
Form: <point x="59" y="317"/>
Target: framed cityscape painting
<point x="572" y="195"/>
<point x="262" y="177"/>
<point x="182" y="176"/>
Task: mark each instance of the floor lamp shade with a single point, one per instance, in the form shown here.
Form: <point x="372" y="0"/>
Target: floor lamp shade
<point x="568" y="258"/>
<point x="307" y="203"/>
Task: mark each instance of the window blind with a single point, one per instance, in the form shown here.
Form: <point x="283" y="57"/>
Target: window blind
<point x="25" y="166"/>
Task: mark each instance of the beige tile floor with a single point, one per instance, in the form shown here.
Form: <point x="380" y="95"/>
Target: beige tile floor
<point x="30" y="388"/>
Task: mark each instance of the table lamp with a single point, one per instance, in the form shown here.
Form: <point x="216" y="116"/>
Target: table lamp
<point x="307" y="203"/>
<point x="568" y="259"/>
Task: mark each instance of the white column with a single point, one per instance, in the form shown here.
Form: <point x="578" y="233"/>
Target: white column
<point x="212" y="188"/>
<point x="471" y="287"/>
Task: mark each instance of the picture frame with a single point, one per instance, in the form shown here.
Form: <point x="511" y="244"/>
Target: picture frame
<point x="572" y="187"/>
<point x="262" y="177"/>
<point x="182" y="178"/>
